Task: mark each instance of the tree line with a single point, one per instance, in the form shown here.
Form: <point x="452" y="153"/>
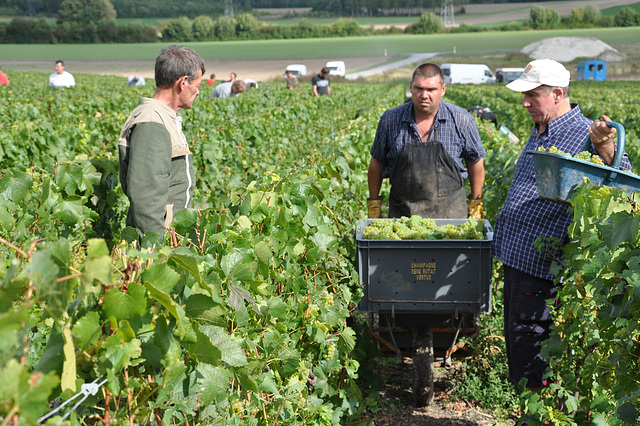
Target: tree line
<point x="93" y="21"/>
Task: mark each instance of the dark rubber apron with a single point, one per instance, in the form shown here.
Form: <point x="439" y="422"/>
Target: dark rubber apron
<point x="426" y="182"/>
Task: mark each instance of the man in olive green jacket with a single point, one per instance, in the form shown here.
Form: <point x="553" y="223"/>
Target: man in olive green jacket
<point x="156" y="170"/>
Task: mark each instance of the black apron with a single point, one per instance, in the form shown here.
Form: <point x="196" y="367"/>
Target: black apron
<point x="426" y="182"/>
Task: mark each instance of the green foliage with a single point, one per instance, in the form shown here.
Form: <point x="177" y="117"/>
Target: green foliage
<point x="583" y="16"/>
<point x="627" y="17"/>
<point x="203" y="28"/>
<point x="239" y="316"/>
<point x="179" y="29"/>
<point x="593" y="347"/>
<point x="429" y="23"/>
<point x="85" y="12"/>
<point x="21" y="30"/>
<point x="543" y="19"/>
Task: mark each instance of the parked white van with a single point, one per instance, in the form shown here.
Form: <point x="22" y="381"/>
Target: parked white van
<point x="467" y="74"/>
<point x="297" y="70"/>
<point x="507" y="75"/>
<point x="336" y="68"/>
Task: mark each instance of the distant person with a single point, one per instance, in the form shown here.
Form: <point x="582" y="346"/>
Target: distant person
<point x="61" y="78"/>
<point x="212" y="79"/>
<point x="4" y="80"/>
<point x="320" y="83"/>
<point x="484" y="113"/>
<point x="156" y="166"/>
<point x="292" y="80"/>
<point x="251" y="84"/>
<point x="135" y="80"/>
<point x="229" y="89"/>
<point x="232" y="77"/>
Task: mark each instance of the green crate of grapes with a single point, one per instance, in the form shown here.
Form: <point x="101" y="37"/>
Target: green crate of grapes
<point x="416" y="265"/>
<point x="558" y="173"/>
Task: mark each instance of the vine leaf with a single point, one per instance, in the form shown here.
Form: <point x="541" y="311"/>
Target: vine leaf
<point x="124" y="305"/>
<point x="68" y="376"/>
<point x="15" y="186"/>
<point x="214" y="383"/>
<point x="161" y="276"/>
<point x="619" y="228"/>
<point x="120" y="353"/>
<point x="237" y="295"/>
<point x="231" y="350"/>
<point x="188" y="263"/>
<point x="87" y="330"/>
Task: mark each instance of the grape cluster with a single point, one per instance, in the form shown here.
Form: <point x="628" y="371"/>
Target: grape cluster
<point x="419" y="228"/>
<point x="584" y="155"/>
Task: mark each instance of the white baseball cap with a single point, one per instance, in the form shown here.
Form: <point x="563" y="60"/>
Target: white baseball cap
<point x="541" y="72"/>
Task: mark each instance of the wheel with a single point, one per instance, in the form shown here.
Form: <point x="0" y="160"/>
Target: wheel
<point x="423" y="366"/>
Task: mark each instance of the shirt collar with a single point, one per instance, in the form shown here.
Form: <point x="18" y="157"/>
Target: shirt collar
<point x="562" y="122"/>
<point x="159" y="104"/>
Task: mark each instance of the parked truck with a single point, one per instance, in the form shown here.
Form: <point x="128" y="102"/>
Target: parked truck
<point x="507" y="75"/>
<point x="592" y="70"/>
<point x="467" y="74"/>
<point x="336" y="68"/>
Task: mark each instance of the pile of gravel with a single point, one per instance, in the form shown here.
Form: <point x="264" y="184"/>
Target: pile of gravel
<point x="566" y="49"/>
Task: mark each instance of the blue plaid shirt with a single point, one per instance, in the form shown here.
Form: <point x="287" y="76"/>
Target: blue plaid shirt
<point x="455" y="129"/>
<point x="525" y="215"/>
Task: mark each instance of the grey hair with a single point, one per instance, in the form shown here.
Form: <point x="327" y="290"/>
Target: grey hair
<point x="548" y="89"/>
<point x="174" y="62"/>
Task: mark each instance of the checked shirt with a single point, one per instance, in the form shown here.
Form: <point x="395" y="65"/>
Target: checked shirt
<point x="455" y="128"/>
<point x="525" y="215"/>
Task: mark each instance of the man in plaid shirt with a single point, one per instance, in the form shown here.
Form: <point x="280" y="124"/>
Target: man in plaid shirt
<point x="427" y="148"/>
<point x="525" y="216"/>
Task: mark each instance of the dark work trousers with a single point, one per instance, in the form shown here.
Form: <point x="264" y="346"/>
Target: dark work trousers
<point x="426" y="182"/>
<point x="527" y="320"/>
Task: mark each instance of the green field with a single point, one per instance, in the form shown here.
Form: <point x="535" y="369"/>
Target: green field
<point x="353" y="46"/>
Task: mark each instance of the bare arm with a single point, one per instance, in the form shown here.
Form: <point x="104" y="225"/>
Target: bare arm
<point x="315" y="91"/>
<point x="476" y="178"/>
<point x="602" y="138"/>
<point x="375" y="178"/>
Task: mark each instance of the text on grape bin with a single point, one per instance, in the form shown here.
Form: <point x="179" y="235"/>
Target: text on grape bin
<point x="423" y="270"/>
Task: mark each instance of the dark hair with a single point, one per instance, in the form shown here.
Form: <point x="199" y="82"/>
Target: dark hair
<point x="428" y="70"/>
<point x="212" y="75"/>
<point x="174" y="62"/>
<point x="324" y="70"/>
<point x="60" y="61"/>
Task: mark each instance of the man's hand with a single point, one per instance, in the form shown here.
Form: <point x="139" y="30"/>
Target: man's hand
<point x="374" y="206"/>
<point x="602" y="137"/>
<point x="475" y="208"/>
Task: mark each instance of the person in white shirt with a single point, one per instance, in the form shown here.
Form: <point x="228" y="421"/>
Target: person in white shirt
<point x="135" y="80"/>
<point x="61" y="78"/>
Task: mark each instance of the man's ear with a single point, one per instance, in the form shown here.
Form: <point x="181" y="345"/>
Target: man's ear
<point x="182" y="82"/>
<point x="558" y="93"/>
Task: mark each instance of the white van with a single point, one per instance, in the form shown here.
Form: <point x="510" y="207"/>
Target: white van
<point x="336" y="68"/>
<point x="507" y="75"/>
<point x="297" y="70"/>
<point x="467" y="74"/>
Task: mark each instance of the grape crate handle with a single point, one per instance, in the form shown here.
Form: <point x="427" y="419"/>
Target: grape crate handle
<point x="617" y="160"/>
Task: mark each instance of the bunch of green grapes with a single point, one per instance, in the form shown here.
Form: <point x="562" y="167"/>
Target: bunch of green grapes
<point x="554" y="150"/>
<point x="583" y="155"/>
<point x="419" y="228"/>
<point x="379" y="230"/>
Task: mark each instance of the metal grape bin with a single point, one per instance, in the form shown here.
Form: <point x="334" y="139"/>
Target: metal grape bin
<point x="425" y="276"/>
<point x="557" y="176"/>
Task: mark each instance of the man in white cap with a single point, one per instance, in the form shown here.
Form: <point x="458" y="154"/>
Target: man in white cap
<point x="528" y="281"/>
